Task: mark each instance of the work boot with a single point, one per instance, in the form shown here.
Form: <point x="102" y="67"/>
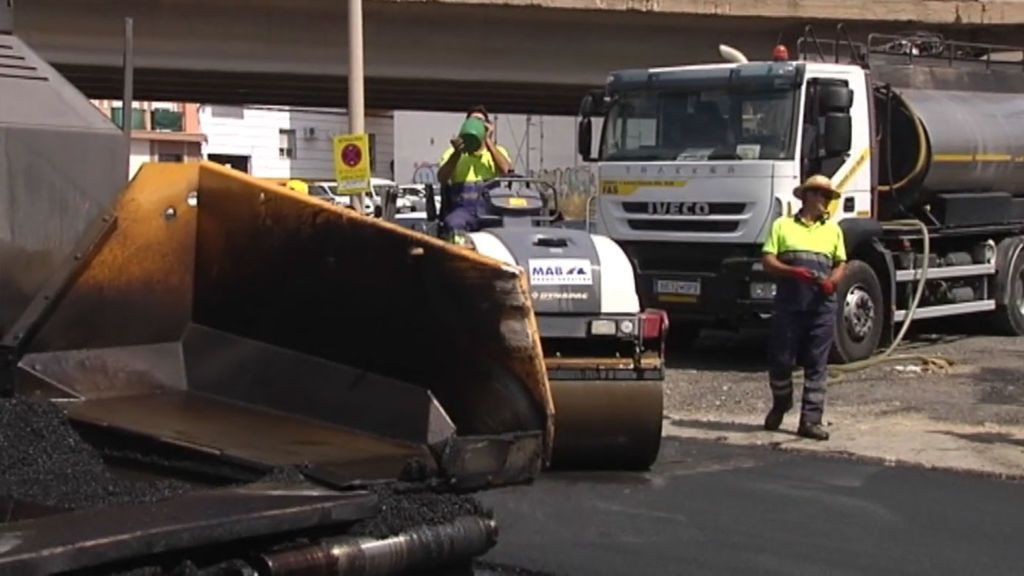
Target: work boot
<point x="812" y="431"/>
<point x="779" y="408"/>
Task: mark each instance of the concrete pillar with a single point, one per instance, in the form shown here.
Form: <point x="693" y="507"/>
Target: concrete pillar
<point x="6" y="16"/>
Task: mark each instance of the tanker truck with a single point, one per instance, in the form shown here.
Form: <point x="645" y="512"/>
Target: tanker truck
<point x="922" y="135"/>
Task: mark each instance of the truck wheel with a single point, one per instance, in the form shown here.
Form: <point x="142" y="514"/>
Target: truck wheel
<point x="1009" y="316"/>
<point x="860" y="314"/>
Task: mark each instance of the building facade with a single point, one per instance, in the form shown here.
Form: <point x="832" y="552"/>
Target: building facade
<point x="161" y="131"/>
<point x="288" y="142"/>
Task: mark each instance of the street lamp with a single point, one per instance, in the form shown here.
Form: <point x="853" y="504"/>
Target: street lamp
<point x="356" y="112"/>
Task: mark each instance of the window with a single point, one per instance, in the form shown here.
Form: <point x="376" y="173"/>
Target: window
<point x="286" y="147"/>
<point x="164" y="120"/>
<point x="701" y="123"/>
<point x="138" y="117"/>
<point x="170" y="158"/>
<point x="814" y="159"/>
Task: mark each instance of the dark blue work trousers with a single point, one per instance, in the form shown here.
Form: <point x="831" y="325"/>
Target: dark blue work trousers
<point x="467" y="205"/>
<point x="802" y="338"/>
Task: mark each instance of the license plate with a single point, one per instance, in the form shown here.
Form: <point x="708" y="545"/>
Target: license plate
<point x="679" y="287"/>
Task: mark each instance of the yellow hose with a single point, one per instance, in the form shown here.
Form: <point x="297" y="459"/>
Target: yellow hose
<point x="836" y="371"/>
<point x="922" y="157"/>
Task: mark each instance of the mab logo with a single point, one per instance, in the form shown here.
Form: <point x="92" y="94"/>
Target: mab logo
<point x="559" y="271"/>
<point x="549" y="271"/>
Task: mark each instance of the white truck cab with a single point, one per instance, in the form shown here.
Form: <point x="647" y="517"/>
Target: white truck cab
<point x="695" y="162"/>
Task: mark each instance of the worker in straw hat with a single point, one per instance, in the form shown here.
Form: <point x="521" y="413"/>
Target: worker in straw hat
<point x="807" y="254"/>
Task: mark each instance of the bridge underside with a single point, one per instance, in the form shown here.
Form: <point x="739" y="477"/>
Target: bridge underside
<point x="328" y="91"/>
<point x="424" y="56"/>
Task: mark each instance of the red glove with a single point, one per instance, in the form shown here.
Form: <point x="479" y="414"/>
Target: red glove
<point x="804" y="275"/>
<point x="828" y="287"/>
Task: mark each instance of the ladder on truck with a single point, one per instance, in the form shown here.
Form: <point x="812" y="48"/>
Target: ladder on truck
<point x="912" y="48"/>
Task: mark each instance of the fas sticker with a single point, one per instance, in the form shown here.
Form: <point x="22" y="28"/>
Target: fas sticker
<point x="552" y="271"/>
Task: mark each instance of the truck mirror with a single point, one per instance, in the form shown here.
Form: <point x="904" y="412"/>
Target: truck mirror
<point x="584" y="144"/>
<point x="833" y="98"/>
<point x="587" y="106"/>
<point x="838" y="134"/>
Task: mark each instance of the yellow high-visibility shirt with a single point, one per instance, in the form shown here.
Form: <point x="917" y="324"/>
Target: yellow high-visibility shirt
<point x="792" y="234"/>
<point x="474" y="167"/>
<point x="817" y="246"/>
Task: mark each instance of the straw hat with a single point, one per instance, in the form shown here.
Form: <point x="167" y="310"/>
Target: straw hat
<point x="818" y="182"/>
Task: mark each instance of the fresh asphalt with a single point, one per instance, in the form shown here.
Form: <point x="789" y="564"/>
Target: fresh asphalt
<point x="708" y="508"/>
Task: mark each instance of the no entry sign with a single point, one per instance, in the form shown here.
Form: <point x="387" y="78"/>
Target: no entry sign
<point x="352" y="163"/>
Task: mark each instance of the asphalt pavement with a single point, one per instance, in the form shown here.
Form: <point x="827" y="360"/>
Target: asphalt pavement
<point x="711" y="508"/>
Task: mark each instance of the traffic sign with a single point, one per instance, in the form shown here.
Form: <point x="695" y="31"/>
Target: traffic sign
<point x="352" y="163"/>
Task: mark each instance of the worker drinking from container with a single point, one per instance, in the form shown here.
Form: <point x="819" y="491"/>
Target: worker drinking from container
<point x="807" y="254"/>
<point x="473" y="158"/>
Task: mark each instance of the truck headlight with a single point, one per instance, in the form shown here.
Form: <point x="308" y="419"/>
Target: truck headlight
<point x="762" y="290"/>
<point x="603" y="327"/>
<point x="627" y="326"/>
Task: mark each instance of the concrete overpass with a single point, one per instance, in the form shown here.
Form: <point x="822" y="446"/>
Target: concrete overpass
<point x="515" y="55"/>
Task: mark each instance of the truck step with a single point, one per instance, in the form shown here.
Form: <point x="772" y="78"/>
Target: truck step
<point x="948" y="310"/>
<point x="947" y="272"/>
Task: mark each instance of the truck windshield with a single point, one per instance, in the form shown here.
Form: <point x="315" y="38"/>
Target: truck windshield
<point x="700" y="124"/>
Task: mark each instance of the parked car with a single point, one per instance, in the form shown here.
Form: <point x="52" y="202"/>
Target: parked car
<point x="328" y="191"/>
<point x="381" y="186"/>
<point x="417" y="196"/>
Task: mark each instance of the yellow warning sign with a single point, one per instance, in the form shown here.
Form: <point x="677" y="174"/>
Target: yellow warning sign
<point x="627" y="187"/>
<point x="352" y="163"/>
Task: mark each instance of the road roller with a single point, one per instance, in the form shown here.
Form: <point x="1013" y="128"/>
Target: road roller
<point x="603" y="353"/>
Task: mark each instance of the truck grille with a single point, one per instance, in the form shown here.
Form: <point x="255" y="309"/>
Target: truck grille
<point x="707" y="258"/>
<point x="684" y="225"/>
<point x="716" y="208"/>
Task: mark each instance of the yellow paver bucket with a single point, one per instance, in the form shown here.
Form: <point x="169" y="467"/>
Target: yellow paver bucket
<point x="218" y="315"/>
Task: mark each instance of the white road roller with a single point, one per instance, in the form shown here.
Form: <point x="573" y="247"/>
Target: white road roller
<point x="604" y="353"/>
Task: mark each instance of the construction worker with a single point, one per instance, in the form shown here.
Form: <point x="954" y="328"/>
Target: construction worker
<point x="463" y="174"/>
<point x="807" y="254"/>
<point x="298" y="186"/>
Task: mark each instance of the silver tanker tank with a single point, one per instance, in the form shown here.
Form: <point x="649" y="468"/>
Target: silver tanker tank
<point x="950" y="131"/>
